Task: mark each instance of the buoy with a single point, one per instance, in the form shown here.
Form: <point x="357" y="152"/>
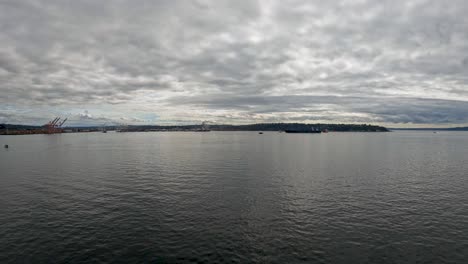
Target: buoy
<point x="6" y="146"/>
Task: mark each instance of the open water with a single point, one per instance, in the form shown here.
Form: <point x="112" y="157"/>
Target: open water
<point x="234" y="197"/>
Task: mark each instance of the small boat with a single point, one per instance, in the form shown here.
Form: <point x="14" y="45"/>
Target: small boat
<point x="261" y="133"/>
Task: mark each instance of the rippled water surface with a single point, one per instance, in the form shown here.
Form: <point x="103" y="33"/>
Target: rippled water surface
<point x="399" y="197"/>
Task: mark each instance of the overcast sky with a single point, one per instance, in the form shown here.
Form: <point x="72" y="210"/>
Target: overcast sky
<point x="395" y="63"/>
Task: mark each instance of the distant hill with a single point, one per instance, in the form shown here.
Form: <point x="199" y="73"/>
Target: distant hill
<point x="17" y="127"/>
<point x="270" y="127"/>
<point x="458" y="129"/>
<point x="301" y="126"/>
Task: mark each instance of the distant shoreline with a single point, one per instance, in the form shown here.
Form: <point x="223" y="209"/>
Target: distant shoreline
<point x="11" y="129"/>
<point x="431" y="129"/>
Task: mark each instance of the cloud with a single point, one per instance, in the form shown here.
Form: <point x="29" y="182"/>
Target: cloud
<point x="235" y="61"/>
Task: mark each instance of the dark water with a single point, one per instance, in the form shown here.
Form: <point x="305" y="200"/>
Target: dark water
<point x="230" y="197"/>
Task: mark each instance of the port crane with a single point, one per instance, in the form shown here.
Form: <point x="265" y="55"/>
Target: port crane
<point x="55" y="126"/>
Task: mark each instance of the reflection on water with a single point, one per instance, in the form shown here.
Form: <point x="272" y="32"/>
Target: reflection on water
<point x="398" y="197"/>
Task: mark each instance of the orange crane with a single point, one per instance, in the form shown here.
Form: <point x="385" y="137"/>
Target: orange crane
<point x="54" y="126"/>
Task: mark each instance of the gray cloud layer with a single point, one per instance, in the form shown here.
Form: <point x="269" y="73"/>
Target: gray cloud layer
<point x="235" y="61"/>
